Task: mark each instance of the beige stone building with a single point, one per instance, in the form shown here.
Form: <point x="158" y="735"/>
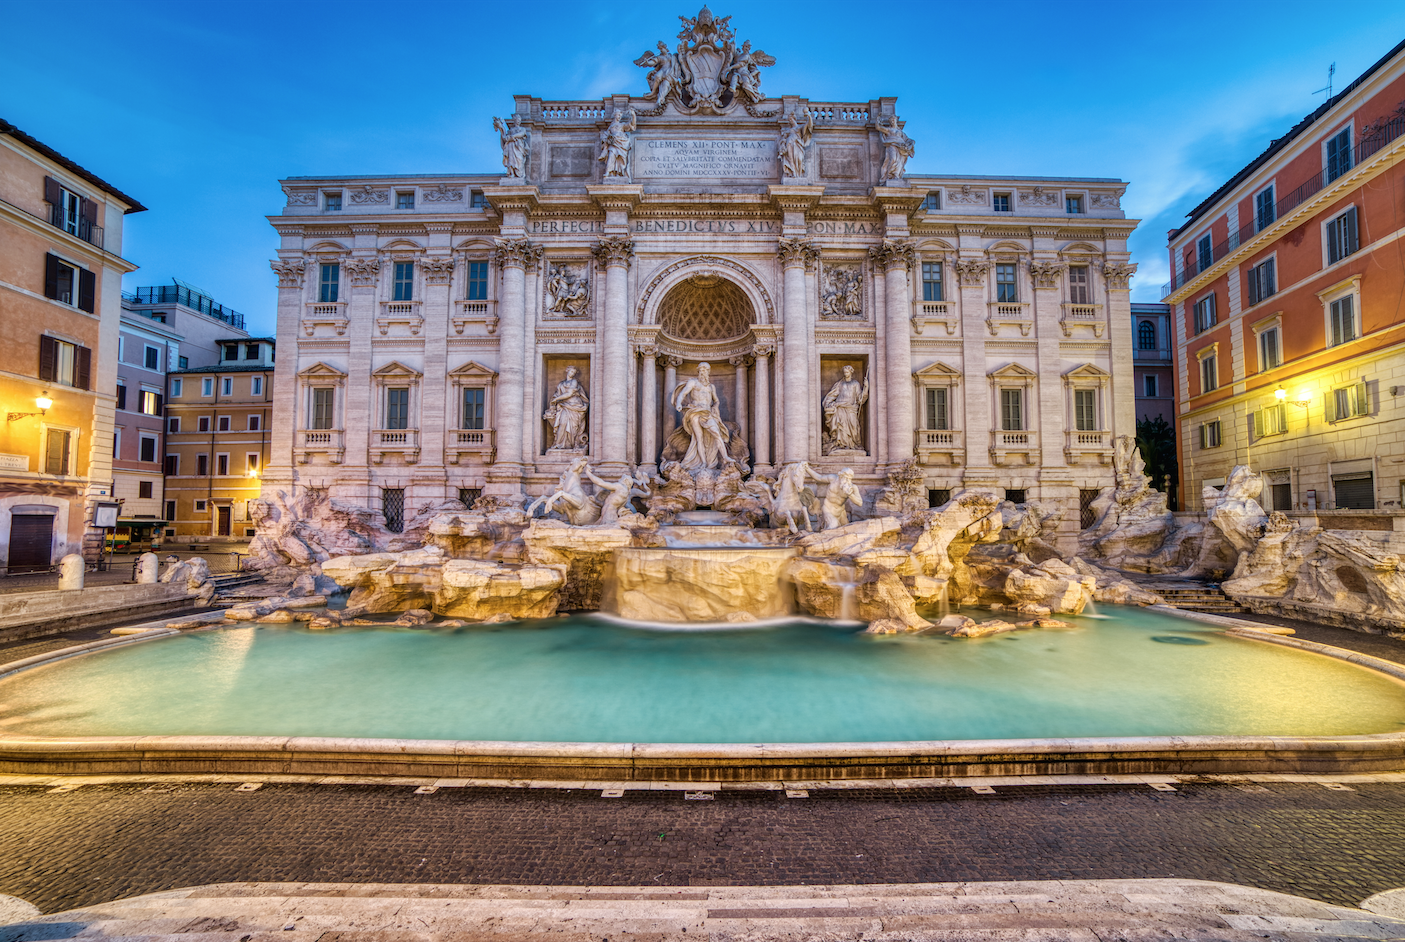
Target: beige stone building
<point x="446" y="335"/>
<point x="217" y="441"/>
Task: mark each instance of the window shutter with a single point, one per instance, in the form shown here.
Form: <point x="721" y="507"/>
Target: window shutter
<point x="53" y="191"/>
<point x="1259" y="424"/>
<point x="87" y="290"/>
<point x="1350" y="237"/>
<point x="88" y="209"/>
<point x="82" y="368"/>
<point x="1204" y="436"/>
<point x="1363" y="402"/>
<point x="160" y="402"/>
<point x="1270" y="276"/>
<point x="51" y="277"/>
<point x="48" y="359"/>
<point x="121" y="397"/>
<point x="1253" y="286"/>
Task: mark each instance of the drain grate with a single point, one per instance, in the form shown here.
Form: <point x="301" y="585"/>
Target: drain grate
<point x="698" y="796"/>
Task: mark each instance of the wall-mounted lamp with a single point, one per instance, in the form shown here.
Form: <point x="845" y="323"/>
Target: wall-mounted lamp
<point x="1302" y="402"/>
<point x="1280" y="394"/>
<point x="43" y="402"/>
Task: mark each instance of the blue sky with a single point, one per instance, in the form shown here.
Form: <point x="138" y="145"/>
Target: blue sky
<point x="197" y="109"/>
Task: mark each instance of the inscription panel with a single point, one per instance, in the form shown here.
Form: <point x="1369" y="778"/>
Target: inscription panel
<point x="727" y="160"/>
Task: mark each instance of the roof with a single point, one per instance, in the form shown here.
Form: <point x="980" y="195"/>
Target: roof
<point x="247" y="340"/>
<point x="1279" y="144"/>
<point x="217" y="368"/>
<point x="7" y="128"/>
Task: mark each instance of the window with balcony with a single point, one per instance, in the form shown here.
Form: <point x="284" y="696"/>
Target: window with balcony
<point x="150" y="402"/>
<point x="77" y="215"/>
<point x="1341" y="236"/>
<point x="1150" y="386"/>
<point x="1265" y="210"/>
<point x="1204" y="252"/>
<point x="329" y="283"/>
<point x="65" y="364"/>
<point x="1343" y="314"/>
<point x="1012" y="410"/>
<point x="932" y="281"/>
<point x="1270" y="358"/>
<point x="932" y="201"/>
<point x="473" y="400"/>
<point x="1001" y="202"/>
<point x="152" y="358"/>
<point x="1146" y="336"/>
<point x="1338" y="156"/>
<point x="323" y="399"/>
<point x="936" y="410"/>
<point x="1209" y="373"/>
<point x="1073" y="203"/>
<point x="331" y="202"/>
<point x="405" y="199"/>
<point x="1204" y="311"/>
<point x="1262" y="281"/>
<point x="397" y="407"/>
<point x="1210" y="434"/>
<point x="68" y="284"/>
<point x="1006" y="288"/>
<point x="404" y="282"/>
<point x="147" y="450"/>
<point x="1078" y="284"/>
<point x="1085" y="410"/>
<point x="477" y="281"/>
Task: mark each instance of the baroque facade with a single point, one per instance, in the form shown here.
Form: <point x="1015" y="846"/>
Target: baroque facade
<point x="445" y="336"/>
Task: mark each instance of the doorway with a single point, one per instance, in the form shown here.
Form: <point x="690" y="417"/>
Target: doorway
<point x="223" y="525"/>
<point x="31" y="542"/>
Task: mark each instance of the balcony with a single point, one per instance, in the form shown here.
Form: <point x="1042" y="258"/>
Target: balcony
<point x="406" y="313"/>
<point x="935" y="312"/>
<point x="1083" y="315"/>
<point x="1014" y="447"/>
<point x="940" y="446"/>
<point x="321" y="441"/>
<point x="1081" y="445"/>
<point x="1009" y="312"/>
<point x="475" y="312"/>
<point x="470" y="442"/>
<point x="82" y="227"/>
<point x="324" y="314"/>
<point x="404" y="442"/>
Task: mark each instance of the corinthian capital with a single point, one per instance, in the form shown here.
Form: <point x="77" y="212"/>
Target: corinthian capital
<point x="970" y="271"/>
<point x="362" y="271"/>
<point x="518" y="252"/>
<point x="1119" y="273"/>
<point x="797" y="252"/>
<point x="614" y="250"/>
<point x="1046" y="274"/>
<point x="437" y="271"/>
<point x="289" y="271"/>
<point x="893" y="254"/>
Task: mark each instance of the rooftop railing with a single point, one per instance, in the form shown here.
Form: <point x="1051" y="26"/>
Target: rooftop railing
<point x="178" y="294"/>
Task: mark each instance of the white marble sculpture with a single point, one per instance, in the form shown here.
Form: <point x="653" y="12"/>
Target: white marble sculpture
<point x="566" y="413"/>
<point x="615" y="497"/>
<point x="706" y="73"/>
<point x="842" y="293"/>
<point x="570" y="499"/>
<point x="666" y="76"/>
<point x="841" y="492"/>
<point x="741" y="75"/>
<point x="696" y="401"/>
<point x="792" y="499"/>
<point x="842" y="404"/>
<point x="897" y="148"/>
<point x="616" y="141"/>
<point x="567" y="291"/>
<point x="795" y="137"/>
<point x="516" y="143"/>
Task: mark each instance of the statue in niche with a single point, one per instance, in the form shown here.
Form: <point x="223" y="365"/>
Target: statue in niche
<point x="569" y="499"/>
<point x="701" y="420"/>
<point x="614" y="498"/>
<point x="666" y="76"/>
<point x="741" y="75"/>
<point x="567" y="291"/>
<point x="842" y="295"/>
<point x="795" y="137"/>
<point x="840" y="493"/>
<point x="843" y="431"/>
<point x="897" y="148"/>
<point x="516" y="142"/>
<point x="566" y="414"/>
<point x="615" y="143"/>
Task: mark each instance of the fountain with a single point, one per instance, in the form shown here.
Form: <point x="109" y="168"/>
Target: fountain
<point x="700" y="583"/>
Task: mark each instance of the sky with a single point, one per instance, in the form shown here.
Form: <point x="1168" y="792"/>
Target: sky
<point x="198" y="109"/>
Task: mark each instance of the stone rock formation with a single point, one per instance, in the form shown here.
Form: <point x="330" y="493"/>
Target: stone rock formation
<point x="425" y="579"/>
<point x="679" y="584"/>
<point x="297" y="531"/>
<point x="1131" y="521"/>
<point x="195" y="573"/>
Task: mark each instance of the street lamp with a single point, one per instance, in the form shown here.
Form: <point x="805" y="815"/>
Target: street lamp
<point x="43" y="402"/>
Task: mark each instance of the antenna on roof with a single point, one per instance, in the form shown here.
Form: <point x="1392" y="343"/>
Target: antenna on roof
<point x="1331" y="71"/>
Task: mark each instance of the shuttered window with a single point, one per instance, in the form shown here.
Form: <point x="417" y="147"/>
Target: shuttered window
<point x="322" y="399"/>
<point x="56" y="452"/>
<point x="1012" y="410"/>
<point x="1343" y="320"/>
<point x="1204" y="313"/>
<point x="1347" y="402"/>
<point x="1354" y="491"/>
<point x="1262" y="281"/>
<point x="1271" y="420"/>
<point x="1210" y="434"/>
<point x="64" y="363"/>
<point x="1203" y="252"/>
<point x="1342" y="237"/>
<point x="1269" y="357"/>
<point x="937" y="418"/>
<point x="1338" y="154"/>
<point x="1085" y="410"/>
<point x="121" y="397"/>
<point x="1264" y="209"/>
<point x="1209" y="374"/>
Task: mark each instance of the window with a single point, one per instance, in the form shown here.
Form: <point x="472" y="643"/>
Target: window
<point x="1015" y="495"/>
<point x="322" y="406"/>
<point x="117" y="443"/>
<point x="231" y="351"/>
<point x="65" y="364"/>
<point x="1341" y="237"/>
<point x="1146" y="336"/>
<point x="152" y="359"/>
<point x="251" y="351"/>
<point x="150" y="402"/>
<point x="1005" y="287"/>
<point x="1002" y="202"/>
<point x="1087" y="516"/>
<point x="1343" y="320"/>
<point x="937" y="412"/>
<point x="144" y="489"/>
<point x="1265" y="211"/>
<point x="1209" y="373"/>
<point x="404" y="281"/>
<point x="932" y="281"/>
<point x="1078" y="284"/>
<point x="477" y="281"/>
<point x="256" y="386"/>
<point x="1269" y="356"/>
<point x="1348" y="402"/>
<point x="173" y="468"/>
<point x="222" y="464"/>
<point x="224" y="423"/>
<point x="397" y="407"/>
<point x="1338" y="154"/>
<point x="200" y="506"/>
<point x="170" y="512"/>
<point x="1012" y="410"/>
<point x="1271" y="420"/>
<point x="203" y="423"/>
<point x="405" y="200"/>
<point x="1262" y="283"/>
<point x="202" y="466"/>
<point x="330" y="282"/>
<point x="176" y="387"/>
<point x="932" y="201"/>
<point x="182" y="363"/>
<point x="1210" y="434"/>
<point x="173" y="424"/>
<point x="331" y="202"/>
<point x="473" y="407"/>
<point x="69" y="284"/>
<point x="1085" y="410"/>
<point x="226" y="385"/>
<point x="476" y="200"/>
<point x="1204" y="313"/>
<point x="56" y="451"/>
<point x="938" y="496"/>
<point x="121" y="396"/>
<point x="207" y="386"/>
<point x="1073" y="203"/>
<point x="468" y="495"/>
<point x="1204" y="253"/>
<point x="251" y="463"/>
<point x="255" y="422"/>
<point x="393" y="508"/>
<point x="1149" y="386"/>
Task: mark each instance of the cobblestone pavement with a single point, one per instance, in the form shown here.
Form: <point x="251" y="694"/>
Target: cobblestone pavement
<point x="100" y="842"/>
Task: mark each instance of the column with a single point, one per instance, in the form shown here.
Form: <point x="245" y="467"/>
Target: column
<point x="648" y="407"/>
<point x="513" y="258"/>
<point x="896" y="258"/>
<point x="360" y="412"/>
<point x="761" y="453"/>
<point x="614" y="253"/>
<point x="977" y="419"/>
<point x="795" y="384"/>
<point x="739" y="399"/>
<point x="291" y="273"/>
<point x="437" y="414"/>
<point x="670" y="382"/>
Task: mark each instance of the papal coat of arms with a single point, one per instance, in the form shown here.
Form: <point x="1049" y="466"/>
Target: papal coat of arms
<point x="706" y="73"/>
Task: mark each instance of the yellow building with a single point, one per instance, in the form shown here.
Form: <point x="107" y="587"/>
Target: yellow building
<point x="217" y="441"/>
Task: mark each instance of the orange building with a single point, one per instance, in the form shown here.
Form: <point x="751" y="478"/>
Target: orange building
<point x="1286" y="301"/>
<point x="61" y="270"/>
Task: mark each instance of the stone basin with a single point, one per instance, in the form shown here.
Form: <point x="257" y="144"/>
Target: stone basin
<point x="714" y="535"/>
<point x="700" y="584"/>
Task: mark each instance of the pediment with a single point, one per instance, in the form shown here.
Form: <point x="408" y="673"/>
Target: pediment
<point x="329" y="246"/>
<point x="1012" y="371"/>
<point x="322" y="370"/>
<point x="1088" y="372"/>
<point x="937" y="370"/>
<point x="473" y="371"/>
<point x="403" y="246"/>
<point x="395" y="368"/>
<point x="1006" y="247"/>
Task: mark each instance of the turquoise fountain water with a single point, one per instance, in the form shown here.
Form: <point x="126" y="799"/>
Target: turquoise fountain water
<point x="588" y="679"/>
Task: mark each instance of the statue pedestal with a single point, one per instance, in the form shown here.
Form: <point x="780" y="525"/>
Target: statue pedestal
<point x="846" y="453"/>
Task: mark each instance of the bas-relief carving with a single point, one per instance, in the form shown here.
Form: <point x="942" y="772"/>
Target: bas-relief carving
<point x="442" y="194"/>
<point x="516" y="144"/>
<point x="795" y="137"/>
<point x="706" y="73"/>
<point x="369" y="194"/>
<point x="1105" y="200"/>
<point x="300" y="197"/>
<point x="566" y="414"/>
<point x="615" y="143"/>
<point x="967" y="195"/>
<point x="568" y="291"/>
<point x="842" y="406"/>
<point x="1039" y="197"/>
<point x="842" y="292"/>
<point x="897" y="148"/>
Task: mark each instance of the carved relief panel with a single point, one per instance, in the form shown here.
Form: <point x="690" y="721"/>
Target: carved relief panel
<point x="841" y="291"/>
<point x="566" y="289"/>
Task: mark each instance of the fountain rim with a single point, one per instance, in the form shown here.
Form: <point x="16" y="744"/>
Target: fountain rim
<point x="588" y="762"/>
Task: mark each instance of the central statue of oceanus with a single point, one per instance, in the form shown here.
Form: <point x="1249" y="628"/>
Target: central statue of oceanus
<point x="697" y="405"/>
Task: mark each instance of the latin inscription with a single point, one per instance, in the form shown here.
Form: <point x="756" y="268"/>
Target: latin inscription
<point x="723" y="226"/>
<point x="566" y="225"/>
<point x="691" y="158"/>
<point x="843" y="228"/>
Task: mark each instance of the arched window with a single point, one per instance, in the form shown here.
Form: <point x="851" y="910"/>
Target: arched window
<point x="1146" y="336"/>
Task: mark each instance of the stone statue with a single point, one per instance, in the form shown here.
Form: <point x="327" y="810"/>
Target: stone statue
<point x="666" y="77"/>
<point x="842" y="295"/>
<point x="566" y="413"/>
<point x="742" y="73"/>
<point x="614" y="498"/>
<point x="697" y="403"/>
<point x="516" y="143"/>
<point x="897" y="148"/>
<point x="567" y="292"/>
<point x="706" y="73"/>
<point x="570" y="498"/>
<point x="673" y="493"/>
<point x="615" y="143"/>
<point x="843" y="431"/>
<point x="842" y="491"/>
<point x="792" y="498"/>
<point x="795" y="137"/>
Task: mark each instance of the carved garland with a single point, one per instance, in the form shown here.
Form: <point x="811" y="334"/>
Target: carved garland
<point x="369" y="194"/>
<point x="711" y="260"/>
<point x="442" y="194"/>
<point x="289" y="271"/>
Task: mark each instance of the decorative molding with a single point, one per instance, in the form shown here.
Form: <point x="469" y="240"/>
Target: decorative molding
<point x="362" y="271"/>
<point x="441" y="194"/>
<point x="841" y="292"/>
<point x="1118" y="274"/>
<point x="1046" y="274"/>
<point x="614" y="250"/>
<point x="893" y="254"/>
<point x="967" y="195"/>
<point x="369" y="194"/>
<point x="970" y="271"/>
<point x="716" y="261"/>
<point x="517" y="252"/>
<point x="583" y="335"/>
<point x="845" y="336"/>
<point x="289" y="271"/>
<point x="1039" y="197"/>
<point x="438" y="270"/>
<point x="301" y="197"/>
<point x="1112" y="200"/>
<point x="796" y="252"/>
<point x="762" y="348"/>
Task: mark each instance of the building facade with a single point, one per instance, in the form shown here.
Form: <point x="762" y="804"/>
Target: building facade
<point x="1286" y="285"/>
<point x="217" y="441"/>
<point x="61" y="270"/>
<point x="1153" y="362"/>
<point x="457" y="334"/>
